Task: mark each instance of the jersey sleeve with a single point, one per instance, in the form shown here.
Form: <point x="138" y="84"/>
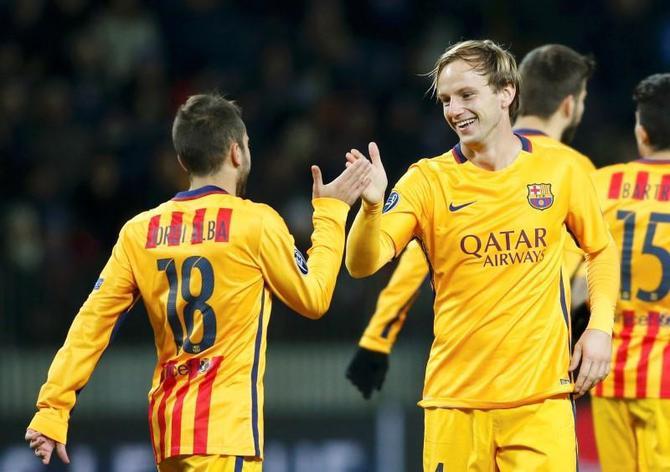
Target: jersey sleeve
<point x="89" y="335"/>
<point x="585" y="219"/>
<point x="586" y="222"/>
<point x="395" y="300"/>
<point x="379" y="234"/>
<point x="305" y="285"/>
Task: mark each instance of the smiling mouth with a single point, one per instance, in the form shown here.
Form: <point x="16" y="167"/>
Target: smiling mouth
<point x="461" y="125"/>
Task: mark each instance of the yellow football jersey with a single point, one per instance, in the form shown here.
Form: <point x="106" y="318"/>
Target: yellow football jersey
<point x="494" y="242"/>
<point x="396" y="299"/>
<point x="636" y="201"/>
<point x="573" y="256"/>
<point x="205" y="264"/>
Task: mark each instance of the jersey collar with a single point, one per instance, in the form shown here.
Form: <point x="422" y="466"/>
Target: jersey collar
<point x="460" y="158"/>
<point x="530" y="132"/>
<point x="642" y="160"/>
<point x="199" y="192"/>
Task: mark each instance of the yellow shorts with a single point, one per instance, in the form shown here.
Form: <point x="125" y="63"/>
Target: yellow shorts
<point x="538" y="437"/>
<point x="632" y="434"/>
<point x="210" y="463"/>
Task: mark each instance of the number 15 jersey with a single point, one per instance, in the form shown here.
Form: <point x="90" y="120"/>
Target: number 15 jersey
<point x="635" y="198"/>
<point x="205" y="264"/>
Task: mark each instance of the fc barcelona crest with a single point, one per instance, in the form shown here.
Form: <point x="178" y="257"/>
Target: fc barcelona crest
<point x="540" y="196"/>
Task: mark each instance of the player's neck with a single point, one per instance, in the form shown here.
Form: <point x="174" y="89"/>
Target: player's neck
<point x="499" y="150"/>
<point x="663" y="155"/>
<point x="224" y="180"/>
<point x="550" y="127"/>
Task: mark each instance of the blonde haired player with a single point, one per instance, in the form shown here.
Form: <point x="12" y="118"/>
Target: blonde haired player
<point x="553" y="80"/>
<point x="631" y="408"/>
<point x="206" y="265"/>
<point x="491" y="216"/>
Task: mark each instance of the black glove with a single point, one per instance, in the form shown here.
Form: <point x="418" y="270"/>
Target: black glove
<point x="367" y="370"/>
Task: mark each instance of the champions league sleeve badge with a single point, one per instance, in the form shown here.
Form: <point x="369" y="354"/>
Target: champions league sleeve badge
<point x="391" y="201"/>
<point x="540" y="196"/>
<point x="300" y="261"/>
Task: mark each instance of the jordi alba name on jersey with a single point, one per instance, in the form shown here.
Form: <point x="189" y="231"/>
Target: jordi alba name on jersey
<point x="494" y="242"/>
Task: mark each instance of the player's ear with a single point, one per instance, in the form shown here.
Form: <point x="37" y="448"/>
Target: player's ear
<point x="507" y="94"/>
<point x="181" y="163"/>
<point x="235" y="154"/>
<point x="567" y="106"/>
<point x="641" y="135"/>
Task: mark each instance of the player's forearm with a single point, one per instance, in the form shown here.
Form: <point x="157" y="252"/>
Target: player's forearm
<point x="367" y="247"/>
<point x="385" y="326"/>
<point x="325" y="256"/>
<point x="602" y="271"/>
<point x="69" y="372"/>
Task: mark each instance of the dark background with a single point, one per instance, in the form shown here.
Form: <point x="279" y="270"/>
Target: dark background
<point x="88" y="90"/>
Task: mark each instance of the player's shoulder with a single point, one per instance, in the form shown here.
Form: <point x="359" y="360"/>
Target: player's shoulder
<point x="612" y="169"/>
<point x="144" y="218"/>
<point x="552" y="150"/>
<point x="261" y="210"/>
<point x="430" y="165"/>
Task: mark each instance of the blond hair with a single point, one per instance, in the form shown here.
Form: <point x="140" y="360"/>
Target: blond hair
<point x="486" y="58"/>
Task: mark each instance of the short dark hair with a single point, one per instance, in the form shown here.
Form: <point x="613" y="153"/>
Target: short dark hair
<point x="652" y="96"/>
<point x="487" y="58"/>
<point x="548" y="75"/>
<point x="204" y="129"/>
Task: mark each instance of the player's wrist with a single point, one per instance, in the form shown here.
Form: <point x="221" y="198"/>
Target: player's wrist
<point x="372" y="207"/>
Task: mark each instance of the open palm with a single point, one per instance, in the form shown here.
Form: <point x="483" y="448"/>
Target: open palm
<point x="374" y="192"/>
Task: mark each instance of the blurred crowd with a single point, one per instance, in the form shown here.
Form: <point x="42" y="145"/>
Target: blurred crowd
<point x="88" y="90"/>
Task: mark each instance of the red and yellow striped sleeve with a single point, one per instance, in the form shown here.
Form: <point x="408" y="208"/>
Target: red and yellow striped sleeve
<point x="114" y="293"/>
<point x="395" y="300"/>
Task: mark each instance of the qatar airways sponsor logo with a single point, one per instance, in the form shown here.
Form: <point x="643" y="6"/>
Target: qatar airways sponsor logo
<point x="503" y="248"/>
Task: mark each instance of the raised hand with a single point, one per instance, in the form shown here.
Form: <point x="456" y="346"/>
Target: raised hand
<point x="374" y="192"/>
<point x="347" y="186"/>
<point x="44" y="446"/>
<point x="594" y="349"/>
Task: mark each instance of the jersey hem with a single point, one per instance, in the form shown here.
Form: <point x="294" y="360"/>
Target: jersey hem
<point x="218" y="451"/>
<point x="447" y="402"/>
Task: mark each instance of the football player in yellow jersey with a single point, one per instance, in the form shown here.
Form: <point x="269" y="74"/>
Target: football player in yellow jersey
<point x="631" y="408"/>
<point x="554" y="79"/>
<point x="491" y="216"/>
<point x="206" y="265"/>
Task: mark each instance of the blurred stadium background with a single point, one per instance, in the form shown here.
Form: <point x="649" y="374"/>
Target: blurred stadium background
<point x="88" y="90"/>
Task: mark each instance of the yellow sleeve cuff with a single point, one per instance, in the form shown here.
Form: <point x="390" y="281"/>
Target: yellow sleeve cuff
<point x="51" y="423"/>
<point x="372" y="208"/>
<point x="331" y="205"/>
<point x="374" y="344"/>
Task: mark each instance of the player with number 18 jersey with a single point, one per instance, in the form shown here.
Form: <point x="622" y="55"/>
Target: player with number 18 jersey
<point x="206" y="264"/>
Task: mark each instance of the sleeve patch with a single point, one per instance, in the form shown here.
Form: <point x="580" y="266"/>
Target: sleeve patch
<point x="300" y="261"/>
<point x="391" y="201"/>
<point x="98" y="283"/>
